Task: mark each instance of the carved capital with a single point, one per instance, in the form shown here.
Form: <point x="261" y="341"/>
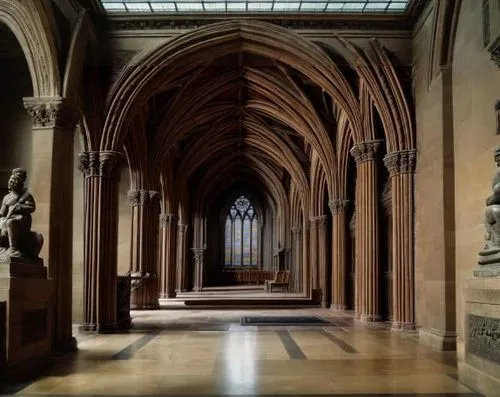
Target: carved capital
<point x="182" y="227"/>
<point x="198" y="255"/>
<point x="316" y="221"/>
<point x="143" y="197"/>
<point x="100" y="164"/>
<point x="365" y="151"/>
<point x="338" y="206"/>
<point x="51" y="112"/>
<point x="296" y="231"/>
<point x="167" y="220"/>
<point x="402" y="162"/>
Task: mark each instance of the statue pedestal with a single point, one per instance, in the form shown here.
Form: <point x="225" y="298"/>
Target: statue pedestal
<point x="28" y="298"/>
<point x="479" y="358"/>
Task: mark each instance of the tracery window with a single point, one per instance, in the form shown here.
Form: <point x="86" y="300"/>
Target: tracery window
<point x="241" y="234"/>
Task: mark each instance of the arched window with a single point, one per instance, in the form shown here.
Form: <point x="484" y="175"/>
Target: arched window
<point x="241" y="234"/>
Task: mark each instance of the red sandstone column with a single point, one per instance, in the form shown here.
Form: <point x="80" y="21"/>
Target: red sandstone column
<point x="367" y="230"/>
<point x="145" y="209"/>
<point x="322" y="251"/>
<point x="313" y="253"/>
<point x="401" y="166"/>
<point x="100" y="238"/>
<point x="168" y="261"/>
<point x="339" y="253"/>
<point x="51" y="179"/>
<point x="181" y="258"/>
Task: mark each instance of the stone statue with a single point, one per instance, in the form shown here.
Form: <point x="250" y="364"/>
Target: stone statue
<point x="491" y="252"/>
<point x="16" y="237"/>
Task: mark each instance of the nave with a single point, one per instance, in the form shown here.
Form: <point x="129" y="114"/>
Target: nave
<point x="195" y="352"/>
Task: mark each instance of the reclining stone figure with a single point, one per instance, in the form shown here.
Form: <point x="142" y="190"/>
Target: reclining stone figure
<point x="16" y="237"/>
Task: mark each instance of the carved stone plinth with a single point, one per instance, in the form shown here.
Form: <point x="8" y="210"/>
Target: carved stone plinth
<point x="22" y="268"/>
<point x="28" y="318"/>
<point x="479" y="358"/>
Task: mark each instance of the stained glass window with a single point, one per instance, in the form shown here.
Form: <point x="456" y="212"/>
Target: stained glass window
<point x="241" y="234"/>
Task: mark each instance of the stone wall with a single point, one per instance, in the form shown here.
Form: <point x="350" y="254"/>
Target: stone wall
<point x="476" y="88"/>
<point x="434" y="251"/>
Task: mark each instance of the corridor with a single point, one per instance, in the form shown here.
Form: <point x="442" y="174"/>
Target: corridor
<point x="181" y="352"/>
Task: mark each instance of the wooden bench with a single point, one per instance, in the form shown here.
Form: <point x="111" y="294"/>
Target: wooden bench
<point x="281" y="279"/>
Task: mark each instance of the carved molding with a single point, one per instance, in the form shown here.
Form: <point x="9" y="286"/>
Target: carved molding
<point x="401" y="162"/>
<point x="100" y="164"/>
<point x="338" y="206"/>
<point x="166" y="220"/>
<point x="494" y="50"/>
<point x="365" y="151"/>
<point x="51" y="112"/>
<point x="298" y="23"/>
<point x="483" y="337"/>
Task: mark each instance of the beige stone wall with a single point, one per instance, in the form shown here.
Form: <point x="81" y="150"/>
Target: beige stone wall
<point x="431" y="244"/>
<point x="124" y="224"/>
<point x="476" y="87"/>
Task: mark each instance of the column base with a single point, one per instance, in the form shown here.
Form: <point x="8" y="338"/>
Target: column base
<point x="145" y="306"/>
<point x="438" y="340"/>
<point x="337" y="307"/>
<point x="107" y="328"/>
<point x="370" y="318"/>
<point x="66" y="346"/>
<point x="398" y="326"/>
<point x="325" y="305"/>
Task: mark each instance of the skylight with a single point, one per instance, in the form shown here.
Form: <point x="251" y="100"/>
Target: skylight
<point x="256" y="6"/>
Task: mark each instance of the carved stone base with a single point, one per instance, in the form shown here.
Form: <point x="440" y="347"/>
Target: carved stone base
<point x="28" y="320"/>
<point x="403" y="327"/>
<point x="438" y="340"/>
<point x="15" y="267"/>
<point x="479" y="366"/>
<point x="487" y="271"/>
<point x="370" y="318"/>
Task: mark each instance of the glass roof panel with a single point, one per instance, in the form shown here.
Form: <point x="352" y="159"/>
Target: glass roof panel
<point x="255" y="6"/>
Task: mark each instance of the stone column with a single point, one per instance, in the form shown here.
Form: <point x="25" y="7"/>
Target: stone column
<point x="168" y="257"/>
<point x="198" y="254"/>
<point x="321" y="250"/>
<point x="297" y="259"/>
<point x="367" y="231"/>
<point x="339" y="253"/>
<point x="51" y="182"/>
<point x="181" y="258"/>
<point x="101" y="171"/>
<point x="145" y="209"/>
<point x="313" y="253"/>
<point x="401" y="166"/>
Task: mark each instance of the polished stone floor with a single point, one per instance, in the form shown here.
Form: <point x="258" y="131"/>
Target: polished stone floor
<point x="211" y="353"/>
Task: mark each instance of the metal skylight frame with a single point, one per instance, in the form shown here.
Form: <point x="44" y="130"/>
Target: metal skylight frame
<point x="328" y="7"/>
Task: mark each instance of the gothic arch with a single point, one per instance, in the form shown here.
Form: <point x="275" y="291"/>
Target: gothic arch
<point x="29" y="22"/>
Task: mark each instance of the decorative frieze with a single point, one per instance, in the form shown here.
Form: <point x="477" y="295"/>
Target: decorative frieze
<point x="483" y="337"/>
<point x="365" y="151"/>
<point x="51" y="112"/>
<point x="338" y="206"/>
<point x="401" y="162"/>
<point x="100" y="164"/>
<point x="166" y="220"/>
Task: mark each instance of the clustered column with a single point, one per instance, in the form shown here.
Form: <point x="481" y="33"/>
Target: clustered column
<point x="54" y="122"/>
<point x="313" y="252"/>
<point x="168" y="257"/>
<point x="322" y="252"/>
<point x="339" y="253"/>
<point x="367" y="250"/>
<point x="101" y="171"/>
<point x="297" y="258"/>
<point x="181" y="257"/>
<point x="198" y="254"/>
<point x="401" y="166"/>
<point x="145" y="209"/>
